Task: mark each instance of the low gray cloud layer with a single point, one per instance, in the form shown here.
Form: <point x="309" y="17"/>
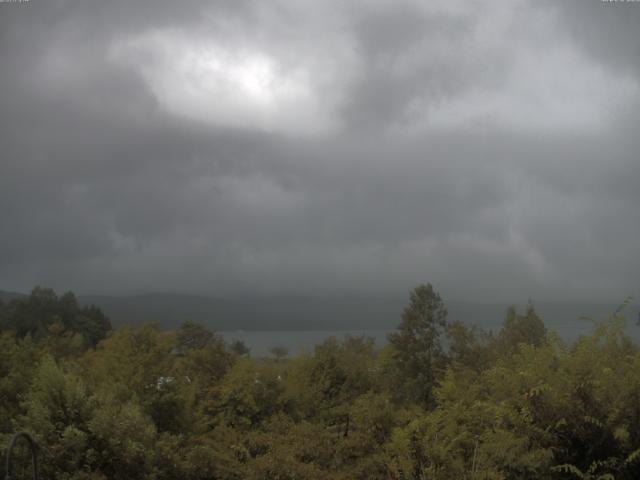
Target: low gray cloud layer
<point x="321" y="148"/>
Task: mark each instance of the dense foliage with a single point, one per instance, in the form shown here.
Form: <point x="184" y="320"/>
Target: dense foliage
<point x="441" y="401"/>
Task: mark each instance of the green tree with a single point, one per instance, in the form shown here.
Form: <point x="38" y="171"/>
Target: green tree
<point x="58" y="411"/>
<point x="19" y="359"/>
<point x="92" y="324"/>
<point x="279" y="352"/>
<point x="517" y="329"/>
<point x="239" y="348"/>
<point x="192" y="336"/>
<point x="417" y="348"/>
<point x="323" y="385"/>
<point x="249" y="394"/>
<point x="33" y="315"/>
<point x="4" y="314"/>
<point x="43" y="313"/>
<point x="469" y="346"/>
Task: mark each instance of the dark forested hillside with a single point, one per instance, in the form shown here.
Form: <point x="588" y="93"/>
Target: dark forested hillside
<point x="443" y="400"/>
<point x="169" y="310"/>
<point x="8" y="296"/>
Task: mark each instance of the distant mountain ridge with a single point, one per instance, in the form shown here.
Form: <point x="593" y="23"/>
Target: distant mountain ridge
<point x="169" y="310"/>
<point x="6" y="296"/>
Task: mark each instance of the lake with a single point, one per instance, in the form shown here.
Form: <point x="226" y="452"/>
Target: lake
<point x="260" y="342"/>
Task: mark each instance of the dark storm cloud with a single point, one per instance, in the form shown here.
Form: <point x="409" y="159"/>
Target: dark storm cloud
<point x="605" y="30"/>
<point x="299" y="147"/>
<point x="391" y="41"/>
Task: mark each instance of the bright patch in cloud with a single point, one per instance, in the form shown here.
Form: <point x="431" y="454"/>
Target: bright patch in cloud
<point x="237" y="87"/>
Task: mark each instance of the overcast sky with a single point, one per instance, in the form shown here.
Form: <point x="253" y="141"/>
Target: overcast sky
<point x="307" y="147"/>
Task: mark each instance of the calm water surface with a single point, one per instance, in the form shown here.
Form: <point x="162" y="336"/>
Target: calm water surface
<point x="260" y="342"/>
